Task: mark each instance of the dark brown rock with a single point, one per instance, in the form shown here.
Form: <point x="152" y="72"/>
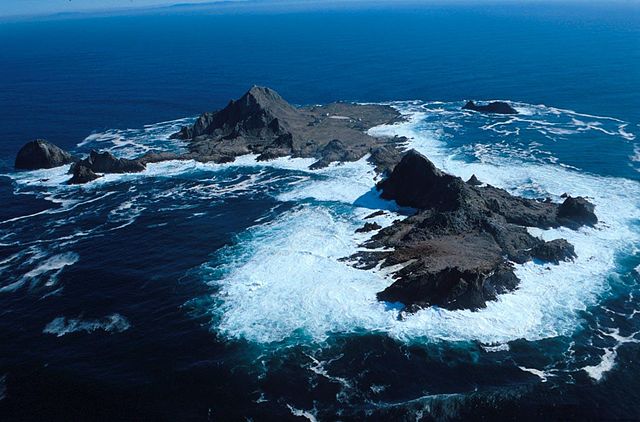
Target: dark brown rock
<point x="416" y="182"/>
<point x="369" y="227"/>
<point x="263" y="123"/>
<point x="554" y="251"/>
<point x="576" y="212"/>
<point x="473" y="181"/>
<point x="375" y="214"/>
<point x="105" y="162"/>
<point x="457" y="250"/>
<point x="82" y="174"/>
<point x="498" y="107"/>
<point x="41" y="154"/>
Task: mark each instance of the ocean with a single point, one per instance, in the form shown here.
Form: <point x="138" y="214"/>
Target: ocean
<point x="196" y="291"/>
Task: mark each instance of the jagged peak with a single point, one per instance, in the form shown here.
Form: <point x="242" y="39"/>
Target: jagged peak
<point x="414" y="159"/>
<point x="417" y="182"/>
<point x="265" y="98"/>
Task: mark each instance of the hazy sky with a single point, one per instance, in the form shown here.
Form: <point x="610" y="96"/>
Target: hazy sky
<point x="40" y="7"/>
<point x="36" y="7"/>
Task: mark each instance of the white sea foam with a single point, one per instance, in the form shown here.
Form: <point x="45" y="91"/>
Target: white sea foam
<point x="131" y="143"/>
<point x="496" y="347"/>
<point x="61" y="326"/>
<point x="51" y="267"/>
<point x="288" y="281"/>
<point x="608" y="359"/>
<point x="543" y="375"/>
<point x="308" y="415"/>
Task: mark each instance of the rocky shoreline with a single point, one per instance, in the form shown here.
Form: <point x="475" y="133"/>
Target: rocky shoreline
<point x="456" y="252"/>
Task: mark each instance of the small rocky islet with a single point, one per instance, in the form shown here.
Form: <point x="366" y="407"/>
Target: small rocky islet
<point x="457" y="250"/>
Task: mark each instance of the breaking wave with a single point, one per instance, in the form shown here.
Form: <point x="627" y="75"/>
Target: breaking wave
<point x="284" y="280"/>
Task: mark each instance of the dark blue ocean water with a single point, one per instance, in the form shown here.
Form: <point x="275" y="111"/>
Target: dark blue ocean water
<point x="215" y="292"/>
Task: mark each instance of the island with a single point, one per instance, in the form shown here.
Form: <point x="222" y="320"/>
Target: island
<point x="456" y="251"/>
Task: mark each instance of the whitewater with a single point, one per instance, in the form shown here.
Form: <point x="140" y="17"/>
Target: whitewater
<point x="284" y="282"/>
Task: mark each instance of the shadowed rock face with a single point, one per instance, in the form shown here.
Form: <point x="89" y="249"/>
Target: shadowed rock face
<point x="575" y="212"/>
<point x="85" y="170"/>
<point x="473" y="181"/>
<point x="81" y="174"/>
<point x="497" y="107"/>
<point x="40" y="154"/>
<point x="105" y="162"/>
<point x="416" y="182"/>
<point x="457" y="250"/>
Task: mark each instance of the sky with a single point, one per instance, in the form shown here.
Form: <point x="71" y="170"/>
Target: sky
<point x="11" y="8"/>
<point x="39" y="7"/>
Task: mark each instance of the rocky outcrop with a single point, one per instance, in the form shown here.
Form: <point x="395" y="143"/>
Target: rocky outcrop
<point x="81" y="174"/>
<point x="158" y="157"/>
<point x="452" y="287"/>
<point x="375" y="214"/>
<point x="576" y="212"/>
<point x="185" y="132"/>
<point x="473" y="181"/>
<point x="416" y="182"/>
<point x="337" y="151"/>
<point x="497" y="107"/>
<point x="105" y="162"/>
<point x="386" y="157"/>
<point x="40" y="154"/>
<point x="86" y="170"/>
<point x="554" y="251"/>
<point x="261" y="122"/>
<point x="457" y="250"/>
<point x="369" y="227"/>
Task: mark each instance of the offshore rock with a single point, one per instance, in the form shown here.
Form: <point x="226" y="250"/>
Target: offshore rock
<point x="82" y="174"/>
<point x="41" y="154"/>
<point x="105" y="162"/>
<point x="554" y="251"/>
<point x="497" y="107"/>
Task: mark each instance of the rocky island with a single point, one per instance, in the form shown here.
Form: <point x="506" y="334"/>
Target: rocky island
<point x="456" y="251"/>
<point x="496" y="107"/>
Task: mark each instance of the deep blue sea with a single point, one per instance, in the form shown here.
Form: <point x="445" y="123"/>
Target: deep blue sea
<point x="216" y="292"/>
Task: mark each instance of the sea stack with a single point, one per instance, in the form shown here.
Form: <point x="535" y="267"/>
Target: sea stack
<point x="495" y="107"/>
<point x="41" y="154"/>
